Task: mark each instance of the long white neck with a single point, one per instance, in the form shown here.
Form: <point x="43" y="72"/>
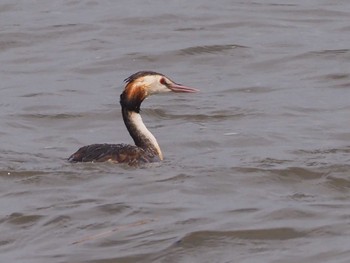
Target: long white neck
<point x="143" y="138"/>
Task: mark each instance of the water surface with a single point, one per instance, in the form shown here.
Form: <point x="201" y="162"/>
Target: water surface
<point x="256" y="165"/>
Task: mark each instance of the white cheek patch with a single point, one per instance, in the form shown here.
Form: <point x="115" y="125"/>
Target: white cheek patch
<point x="158" y="88"/>
<point x="153" y="85"/>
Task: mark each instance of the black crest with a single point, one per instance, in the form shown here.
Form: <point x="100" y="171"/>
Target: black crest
<point x="140" y="74"/>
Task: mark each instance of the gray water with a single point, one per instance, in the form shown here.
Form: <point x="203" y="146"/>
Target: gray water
<point x="256" y="165"/>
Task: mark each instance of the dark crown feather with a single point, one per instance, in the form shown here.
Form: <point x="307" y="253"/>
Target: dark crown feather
<point x="140" y="74"/>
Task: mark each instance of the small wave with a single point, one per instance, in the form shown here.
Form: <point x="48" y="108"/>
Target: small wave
<point x="208" y="49"/>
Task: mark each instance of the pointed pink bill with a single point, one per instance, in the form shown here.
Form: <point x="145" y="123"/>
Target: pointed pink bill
<point x="181" y="88"/>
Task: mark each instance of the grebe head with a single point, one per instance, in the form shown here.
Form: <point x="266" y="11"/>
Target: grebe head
<point x="144" y="83"/>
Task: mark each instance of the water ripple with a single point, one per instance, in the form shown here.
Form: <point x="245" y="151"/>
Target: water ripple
<point x="208" y="49"/>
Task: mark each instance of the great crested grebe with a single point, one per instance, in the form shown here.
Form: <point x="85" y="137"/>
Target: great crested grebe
<point x="146" y="149"/>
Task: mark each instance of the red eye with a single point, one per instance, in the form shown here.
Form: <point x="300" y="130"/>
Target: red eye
<point x="162" y="81"/>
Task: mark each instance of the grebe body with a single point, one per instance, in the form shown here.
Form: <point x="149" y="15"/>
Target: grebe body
<point x="146" y="149"/>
